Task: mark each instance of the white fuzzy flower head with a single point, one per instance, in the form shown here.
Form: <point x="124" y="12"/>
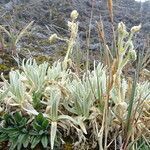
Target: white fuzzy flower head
<point x="70" y="24"/>
<point x="122" y="28"/>
<point x="53" y="38"/>
<point x="74" y="15"/>
<point x="136" y="28"/>
<point x="132" y="55"/>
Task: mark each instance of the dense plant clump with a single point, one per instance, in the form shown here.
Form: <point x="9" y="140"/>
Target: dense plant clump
<point x="41" y="105"/>
<point x="20" y="134"/>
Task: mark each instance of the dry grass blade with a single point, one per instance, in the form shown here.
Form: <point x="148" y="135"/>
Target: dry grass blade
<point x="110" y="8"/>
<point x="24" y="31"/>
<point x="146" y="59"/>
<point x="3" y="29"/>
<point x="88" y="38"/>
<point x="101" y="34"/>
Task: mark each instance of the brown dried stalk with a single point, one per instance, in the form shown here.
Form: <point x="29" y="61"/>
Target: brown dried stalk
<point x="110" y="8"/>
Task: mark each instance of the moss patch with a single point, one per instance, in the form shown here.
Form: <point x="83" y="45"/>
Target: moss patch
<point x="41" y="59"/>
<point x="7" y="64"/>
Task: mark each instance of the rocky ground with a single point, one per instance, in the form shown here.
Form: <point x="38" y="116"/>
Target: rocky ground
<point x="51" y="17"/>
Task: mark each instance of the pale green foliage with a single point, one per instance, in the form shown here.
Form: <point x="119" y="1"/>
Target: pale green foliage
<point x="81" y="97"/>
<point x="35" y="74"/>
<point x="98" y="80"/>
<point x="17" y="90"/>
<point x="102" y="97"/>
<point x="56" y="72"/>
<point x="53" y="102"/>
<point x="63" y="88"/>
<point x="84" y="92"/>
<point x="34" y="77"/>
<point x="143" y="91"/>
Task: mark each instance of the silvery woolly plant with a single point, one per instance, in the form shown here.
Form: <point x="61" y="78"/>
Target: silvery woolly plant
<point x="73" y="28"/>
<point x="67" y="99"/>
<point x="34" y="76"/>
<point x="16" y="94"/>
<point x="125" y="53"/>
<point x="127" y="95"/>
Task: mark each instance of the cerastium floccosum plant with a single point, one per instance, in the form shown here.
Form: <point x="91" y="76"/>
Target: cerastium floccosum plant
<point x="126" y="102"/>
<point x="73" y="28"/>
<point x="100" y="99"/>
<point x="125" y="53"/>
<point x="35" y="79"/>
